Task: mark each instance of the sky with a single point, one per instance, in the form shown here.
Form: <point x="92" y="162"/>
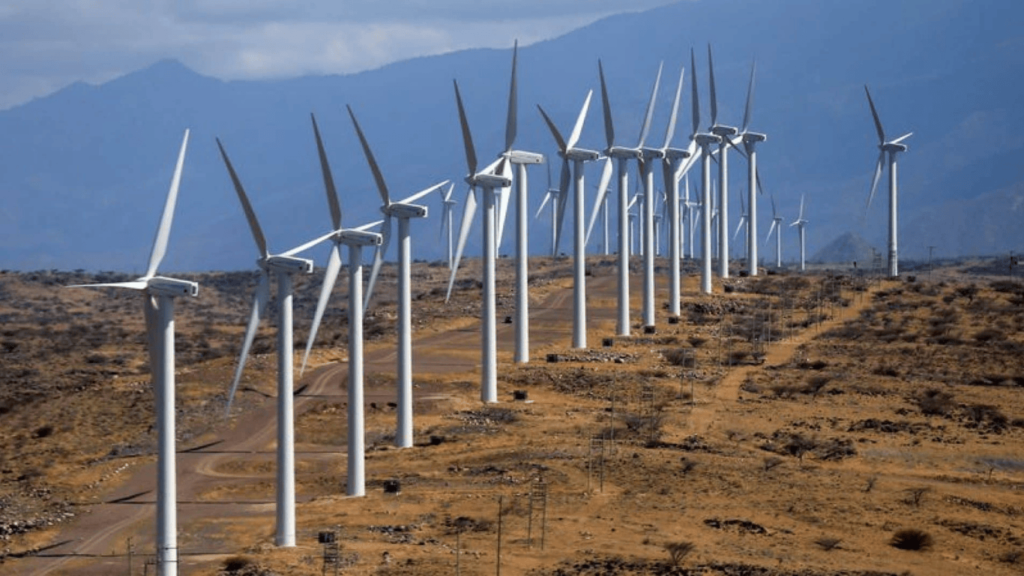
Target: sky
<point x="47" y="45"/>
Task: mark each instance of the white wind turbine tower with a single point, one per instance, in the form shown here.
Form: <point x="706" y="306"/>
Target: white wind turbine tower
<point x="690" y="213"/>
<point x="404" y="211"/>
<point x="491" y="178"/>
<point x="892" y="148"/>
<point x="724" y="133"/>
<point x="800" y="223"/>
<point x="158" y="306"/>
<point x="569" y="152"/>
<point x="777" y="228"/>
<point x="355" y="239"/>
<point x="520" y="159"/>
<point x="631" y="215"/>
<point x="622" y="155"/>
<point x="704" y="141"/>
<point x="283" y="266"/>
<point x="447" y="205"/>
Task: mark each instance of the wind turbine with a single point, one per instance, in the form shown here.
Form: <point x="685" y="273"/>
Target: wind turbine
<point x="447" y="205"/>
<point x="492" y="177"/>
<point x="724" y="133"/>
<point x="520" y="159"/>
<point x="551" y="195"/>
<point x="283" y="266"/>
<point x="800" y="223"/>
<point x="622" y="155"/>
<point x="673" y="161"/>
<point x="892" y="148"/>
<point x="777" y="228"/>
<point x="404" y="211"/>
<point x="704" y="141"/>
<point x="355" y="239"/>
<point x="569" y="152"/>
<point x="750" y="141"/>
<point x="158" y="307"/>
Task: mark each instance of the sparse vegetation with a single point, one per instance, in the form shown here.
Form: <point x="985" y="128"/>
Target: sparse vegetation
<point x="911" y="539"/>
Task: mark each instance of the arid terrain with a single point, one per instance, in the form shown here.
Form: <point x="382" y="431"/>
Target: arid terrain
<point x="827" y="423"/>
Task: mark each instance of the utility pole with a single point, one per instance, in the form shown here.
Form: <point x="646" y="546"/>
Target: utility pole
<point x="930" y="250"/>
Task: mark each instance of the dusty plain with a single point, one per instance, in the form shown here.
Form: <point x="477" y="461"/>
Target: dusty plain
<point x="826" y="423"/>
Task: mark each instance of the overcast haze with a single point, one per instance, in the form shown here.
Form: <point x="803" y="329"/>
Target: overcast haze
<point x="45" y="46"/>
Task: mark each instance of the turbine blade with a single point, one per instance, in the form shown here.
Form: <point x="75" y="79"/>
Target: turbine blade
<point x="423" y="192"/>
<point x="325" y="169"/>
<point x="874" y="114"/>
<point x="510" y="122"/>
<point x="770" y="230"/>
<point x="467" y="138"/>
<point x="650" y="108"/>
<point x="750" y="99"/>
<point x="578" y="128"/>
<point x="378" y="261"/>
<point x="739" y="227"/>
<point x="330" y="276"/>
<point x="609" y="126"/>
<point x="563" y="196"/>
<point x="602" y="191"/>
<point x="259" y="304"/>
<point x="464" y="228"/>
<point x="902" y="138"/>
<point x="694" y="95"/>
<point x="504" y="195"/>
<point x="149" y="307"/>
<point x="801" y="207"/>
<point x="254" y="225"/>
<point x="310" y="244"/>
<point x="711" y="82"/>
<point x="547" y="196"/>
<point x="366" y="227"/>
<point x="554" y="131"/>
<point x="877" y="176"/>
<point x="548" y="164"/>
<point x="133" y="285"/>
<point x="773" y="206"/>
<point x="670" y="132"/>
<point x="163" y="231"/>
<point x="377" y="176"/>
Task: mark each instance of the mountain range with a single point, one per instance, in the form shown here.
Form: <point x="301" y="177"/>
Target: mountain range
<point x="84" y="171"/>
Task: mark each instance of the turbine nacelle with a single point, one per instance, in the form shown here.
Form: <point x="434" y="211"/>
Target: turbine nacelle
<point x="492" y="181"/>
<point x="399" y="210"/>
<point x="580" y="155"/>
<point x="892" y="147"/>
<point x="287" y="264"/>
<point x="705" y="139"/>
<point x="724" y="131"/>
<point x="161" y="286"/>
<point x="359" y="238"/>
<point x="652" y="153"/>
<point x="676" y="153"/>
<point x="622" y="152"/>
<point x="522" y="157"/>
<point x="752" y="137"/>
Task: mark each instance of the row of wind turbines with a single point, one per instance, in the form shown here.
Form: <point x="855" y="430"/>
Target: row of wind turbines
<point x="494" y="183"/>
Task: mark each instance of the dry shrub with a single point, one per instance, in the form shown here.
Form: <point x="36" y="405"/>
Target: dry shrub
<point x="935" y="402"/>
<point x="915" y="495"/>
<point x="678" y="551"/>
<point x="771" y="462"/>
<point x="828" y="544"/>
<point x="911" y="539"/>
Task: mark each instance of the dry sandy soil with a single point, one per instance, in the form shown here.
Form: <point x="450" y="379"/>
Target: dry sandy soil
<point x="788" y="424"/>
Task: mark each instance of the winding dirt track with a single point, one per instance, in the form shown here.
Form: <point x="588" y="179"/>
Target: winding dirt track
<point x="86" y="546"/>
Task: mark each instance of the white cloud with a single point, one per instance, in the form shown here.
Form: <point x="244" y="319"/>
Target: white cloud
<point x="47" y="45"/>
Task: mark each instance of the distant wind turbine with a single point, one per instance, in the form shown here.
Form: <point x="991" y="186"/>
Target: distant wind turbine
<point x="704" y="141"/>
<point x="800" y="223"/>
<point x="892" y="148"/>
<point x="724" y="133"/>
<point x="777" y="228"/>
<point x="404" y="211"/>
<point x="570" y="153"/>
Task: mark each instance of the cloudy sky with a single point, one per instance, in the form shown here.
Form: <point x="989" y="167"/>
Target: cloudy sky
<point x="46" y="45"/>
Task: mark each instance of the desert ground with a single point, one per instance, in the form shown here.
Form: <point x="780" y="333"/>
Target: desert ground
<point x="825" y="423"/>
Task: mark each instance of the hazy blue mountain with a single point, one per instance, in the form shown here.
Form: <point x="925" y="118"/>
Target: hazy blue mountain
<point x="848" y="247"/>
<point x="84" y="171"/>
